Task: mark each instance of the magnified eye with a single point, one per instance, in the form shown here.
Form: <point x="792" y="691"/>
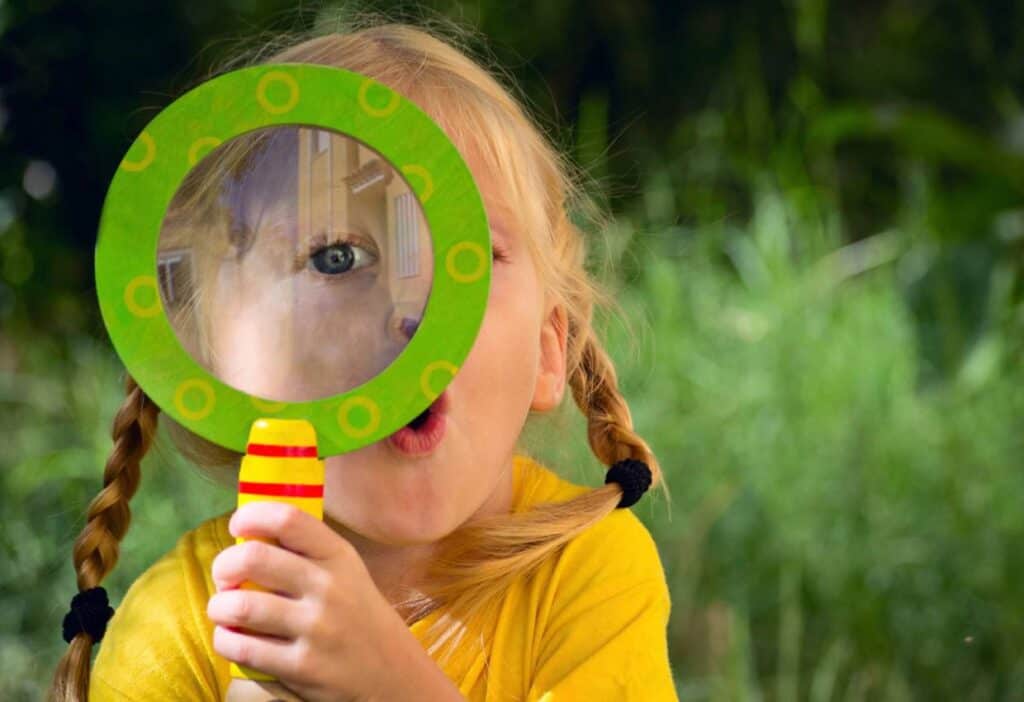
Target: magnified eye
<point x="340" y="257"/>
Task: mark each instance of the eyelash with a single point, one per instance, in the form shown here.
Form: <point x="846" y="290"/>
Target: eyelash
<point x="319" y="242"/>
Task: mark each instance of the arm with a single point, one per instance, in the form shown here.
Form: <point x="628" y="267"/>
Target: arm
<point x="414" y="675"/>
<point x="417" y="677"/>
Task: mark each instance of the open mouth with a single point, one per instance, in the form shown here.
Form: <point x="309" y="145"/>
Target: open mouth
<point x="420" y="419"/>
<point x="424" y="433"/>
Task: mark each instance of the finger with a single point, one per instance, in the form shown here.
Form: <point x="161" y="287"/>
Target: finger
<point x="294" y="529"/>
<point x="264" y="564"/>
<point x="257" y="612"/>
<point x="277" y="657"/>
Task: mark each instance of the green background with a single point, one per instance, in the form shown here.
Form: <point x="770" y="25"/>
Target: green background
<point x="819" y="252"/>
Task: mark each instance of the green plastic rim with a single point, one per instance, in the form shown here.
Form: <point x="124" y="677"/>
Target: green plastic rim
<point x="309" y="96"/>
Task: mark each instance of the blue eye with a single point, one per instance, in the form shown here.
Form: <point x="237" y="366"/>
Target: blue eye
<point x="340" y="258"/>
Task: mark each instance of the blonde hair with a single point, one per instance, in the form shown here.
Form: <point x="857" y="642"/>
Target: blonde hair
<point x="477" y="562"/>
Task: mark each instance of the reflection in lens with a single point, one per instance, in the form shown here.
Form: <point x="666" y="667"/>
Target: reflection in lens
<point x="294" y="263"/>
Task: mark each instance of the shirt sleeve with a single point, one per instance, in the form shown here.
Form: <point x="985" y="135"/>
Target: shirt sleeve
<point x="605" y="638"/>
<point x="158" y="644"/>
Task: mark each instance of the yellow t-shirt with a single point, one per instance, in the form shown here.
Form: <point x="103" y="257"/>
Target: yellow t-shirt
<point x="589" y="626"/>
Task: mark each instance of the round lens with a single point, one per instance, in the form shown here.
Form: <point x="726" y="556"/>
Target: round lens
<point x="294" y="263"/>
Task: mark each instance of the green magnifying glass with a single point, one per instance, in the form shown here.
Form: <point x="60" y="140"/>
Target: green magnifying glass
<point x="293" y="245"/>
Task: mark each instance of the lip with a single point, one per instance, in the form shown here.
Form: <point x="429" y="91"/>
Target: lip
<point x="423" y="441"/>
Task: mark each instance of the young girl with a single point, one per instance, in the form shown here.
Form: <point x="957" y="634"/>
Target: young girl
<point x="447" y="567"/>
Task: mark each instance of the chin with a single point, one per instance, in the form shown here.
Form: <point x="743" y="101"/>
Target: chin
<point x="397" y="528"/>
<point x="392" y="500"/>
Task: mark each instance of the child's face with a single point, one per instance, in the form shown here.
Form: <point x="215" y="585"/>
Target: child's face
<point x="517" y="363"/>
<point x="383" y="492"/>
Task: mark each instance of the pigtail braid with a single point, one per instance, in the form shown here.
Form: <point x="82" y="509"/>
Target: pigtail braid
<point x="96" y="550"/>
<point x="595" y="389"/>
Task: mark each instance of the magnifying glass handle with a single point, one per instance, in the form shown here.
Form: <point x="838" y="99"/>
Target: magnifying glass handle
<point x="280" y="465"/>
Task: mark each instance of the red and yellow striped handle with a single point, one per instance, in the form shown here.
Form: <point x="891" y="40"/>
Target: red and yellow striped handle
<point x="280" y="465"/>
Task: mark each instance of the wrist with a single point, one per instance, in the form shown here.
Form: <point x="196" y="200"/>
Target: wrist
<point x="414" y="675"/>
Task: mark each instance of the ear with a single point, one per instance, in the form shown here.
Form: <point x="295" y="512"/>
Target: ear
<point x="554" y="334"/>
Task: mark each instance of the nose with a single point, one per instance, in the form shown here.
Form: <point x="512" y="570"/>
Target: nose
<point x="403" y="321"/>
<point x="409" y="325"/>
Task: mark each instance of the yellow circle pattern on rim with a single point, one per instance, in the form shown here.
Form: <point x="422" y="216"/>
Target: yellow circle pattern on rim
<point x="204" y="388"/>
<point x="429" y="371"/>
<point x="142" y="163"/>
<point x="461" y="276"/>
<point x="198" y="144"/>
<point x="277" y="77"/>
<point x="345" y="421"/>
<point x="428" y="183"/>
<point x="267" y="405"/>
<point x="133" y="287"/>
<point x="369" y="109"/>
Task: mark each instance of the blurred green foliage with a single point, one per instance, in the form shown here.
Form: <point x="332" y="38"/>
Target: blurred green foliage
<point x="819" y="238"/>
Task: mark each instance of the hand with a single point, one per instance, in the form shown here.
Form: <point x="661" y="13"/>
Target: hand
<point x="325" y="630"/>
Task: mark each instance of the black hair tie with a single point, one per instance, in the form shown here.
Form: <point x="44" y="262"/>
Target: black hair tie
<point x="90" y="612"/>
<point x="633" y="476"/>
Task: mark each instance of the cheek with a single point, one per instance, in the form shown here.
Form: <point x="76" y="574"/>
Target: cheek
<point x="505" y="356"/>
<point x="343" y="332"/>
<point x="296" y="340"/>
<point x="241" y="351"/>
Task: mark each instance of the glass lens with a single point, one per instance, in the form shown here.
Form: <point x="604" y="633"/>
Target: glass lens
<point x="294" y="263"/>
